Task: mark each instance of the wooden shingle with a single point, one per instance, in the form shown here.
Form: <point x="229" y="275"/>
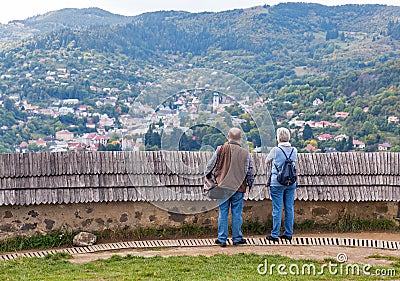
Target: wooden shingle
<point x="47" y="178"/>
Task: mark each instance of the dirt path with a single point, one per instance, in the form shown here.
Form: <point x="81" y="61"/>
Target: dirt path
<point x="354" y="254"/>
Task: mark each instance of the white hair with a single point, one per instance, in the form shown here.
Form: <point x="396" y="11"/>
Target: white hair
<point x="282" y="134"/>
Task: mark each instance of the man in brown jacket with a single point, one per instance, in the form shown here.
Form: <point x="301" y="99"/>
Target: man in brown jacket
<point x="233" y="170"/>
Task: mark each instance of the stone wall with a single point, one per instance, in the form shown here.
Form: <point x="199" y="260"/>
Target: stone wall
<point x="28" y="220"/>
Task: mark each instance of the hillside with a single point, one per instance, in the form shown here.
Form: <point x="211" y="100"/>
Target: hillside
<point x="56" y="20"/>
<point x="292" y="54"/>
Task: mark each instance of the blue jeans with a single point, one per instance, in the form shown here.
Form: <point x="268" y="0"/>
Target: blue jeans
<point x="285" y="195"/>
<point x="236" y="203"/>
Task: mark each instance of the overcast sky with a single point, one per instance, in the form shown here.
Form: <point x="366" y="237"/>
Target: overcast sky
<point x="22" y="9"/>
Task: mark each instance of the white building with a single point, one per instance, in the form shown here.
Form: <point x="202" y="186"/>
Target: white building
<point x="65" y="110"/>
<point x="215" y="101"/>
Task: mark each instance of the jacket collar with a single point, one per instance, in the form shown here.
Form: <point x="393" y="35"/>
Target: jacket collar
<point x="285" y="144"/>
<point x="234" y="142"/>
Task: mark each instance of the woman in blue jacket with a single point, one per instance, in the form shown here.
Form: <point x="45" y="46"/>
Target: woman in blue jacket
<point x="281" y="194"/>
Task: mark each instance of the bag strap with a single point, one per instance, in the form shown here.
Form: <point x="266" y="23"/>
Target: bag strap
<point x="287" y="158"/>
<point x="290" y="155"/>
<point x="218" y="159"/>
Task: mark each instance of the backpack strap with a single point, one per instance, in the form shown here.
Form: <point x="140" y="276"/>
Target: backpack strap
<point x="283" y="152"/>
<point x="287" y="158"/>
<point x="290" y="155"/>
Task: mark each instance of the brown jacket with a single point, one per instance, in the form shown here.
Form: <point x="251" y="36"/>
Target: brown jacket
<point x="230" y="169"/>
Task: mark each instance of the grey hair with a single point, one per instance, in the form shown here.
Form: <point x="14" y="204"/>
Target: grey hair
<point x="282" y="134"/>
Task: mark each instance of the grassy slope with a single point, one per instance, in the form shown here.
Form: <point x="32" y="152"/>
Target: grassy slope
<point x="217" y="267"/>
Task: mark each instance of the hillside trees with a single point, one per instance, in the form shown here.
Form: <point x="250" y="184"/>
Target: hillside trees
<point x="394" y="29"/>
<point x="281" y="51"/>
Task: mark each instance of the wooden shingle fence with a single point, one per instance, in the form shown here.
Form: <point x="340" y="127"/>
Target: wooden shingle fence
<point x="65" y="177"/>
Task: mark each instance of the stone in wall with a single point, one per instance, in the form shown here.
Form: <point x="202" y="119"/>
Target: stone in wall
<point x="123" y="218"/>
<point x="84" y="239"/>
<point x="7" y="215"/>
<point x="49" y="224"/>
<point x="177" y="217"/>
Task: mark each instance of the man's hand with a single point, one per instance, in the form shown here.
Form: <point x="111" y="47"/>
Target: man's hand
<point x="251" y="193"/>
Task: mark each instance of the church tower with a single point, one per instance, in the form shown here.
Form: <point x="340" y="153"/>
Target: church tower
<point x="215" y="101"/>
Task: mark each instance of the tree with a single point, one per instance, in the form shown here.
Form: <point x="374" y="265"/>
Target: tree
<point x="171" y="141"/>
<point x="314" y="143"/>
<point x="95" y="119"/>
<point x="109" y="110"/>
<point x="341" y="145"/>
<point x="350" y="143"/>
<point x="338" y="105"/>
<point x="217" y="140"/>
<point x="68" y="119"/>
<point x="307" y="132"/>
<point x="358" y="114"/>
<point x="253" y="136"/>
<point x="113" y="146"/>
<point x="152" y="138"/>
<point x="160" y="123"/>
<point x="395" y="148"/>
<point x="368" y="128"/>
<point x="9" y="105"/>
<point x="234" y="109"/>
<point x="33" y="147"/>
<point x="332" y="34"/>
<point x="372" y="139"/>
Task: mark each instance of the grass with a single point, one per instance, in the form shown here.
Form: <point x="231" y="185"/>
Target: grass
<point x="51" y="240"/>
<point x="346" y="223"/>
<point x="146" y="233"/>
<point x="217" y="267"/>
<point x="395" y="260"/>
<point x="64" y="239"/>
<point x="350" y="223"/>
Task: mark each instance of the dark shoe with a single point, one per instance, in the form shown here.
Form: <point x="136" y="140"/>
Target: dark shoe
<point x="241" y="242"/>
<point x="222" y="244"/>
<point x="289" y="238"/>
<point x="273" y="239"/>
